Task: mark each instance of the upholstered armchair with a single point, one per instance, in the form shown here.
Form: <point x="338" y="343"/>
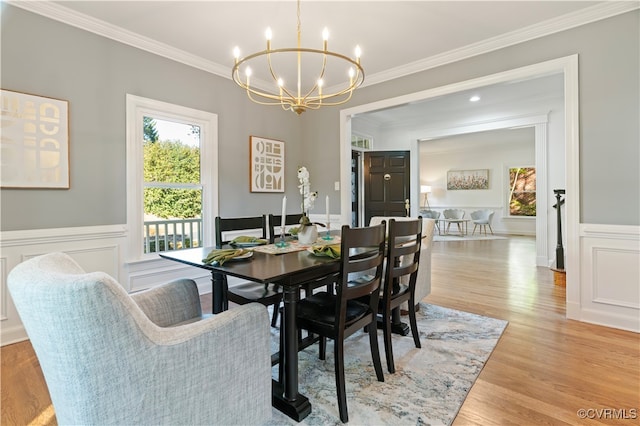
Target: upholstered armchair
<point x="482" y="218"/>
<point x="150" y="358"/>
<point x="423" y="282"/>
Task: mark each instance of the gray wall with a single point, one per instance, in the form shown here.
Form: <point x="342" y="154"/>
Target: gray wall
<point x="44" y="57"/>
<point x="609" y="109"/>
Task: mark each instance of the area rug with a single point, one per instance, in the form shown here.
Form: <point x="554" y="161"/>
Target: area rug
<point x="453" y="237"/>
<point x="428" y="387"/>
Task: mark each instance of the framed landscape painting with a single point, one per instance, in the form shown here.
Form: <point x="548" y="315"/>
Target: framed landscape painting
<point x="468" y="179"/>
<point x="35" y="141"/>
<point x="266" y="169"/>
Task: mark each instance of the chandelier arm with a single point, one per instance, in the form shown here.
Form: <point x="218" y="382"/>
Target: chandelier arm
<point x="349" y="90"/>
<point x="276" y="101"/>
<point x="280" y="99"/>
<point x="315" y="86"/>
<point x="323" y="102"/>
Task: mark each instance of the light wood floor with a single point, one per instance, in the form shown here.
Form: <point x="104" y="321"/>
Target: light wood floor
<point x="542" y="372"/>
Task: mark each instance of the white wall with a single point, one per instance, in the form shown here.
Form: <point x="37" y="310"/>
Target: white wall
<point x="493" y="150"/>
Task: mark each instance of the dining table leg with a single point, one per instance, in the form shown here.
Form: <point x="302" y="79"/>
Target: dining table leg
<point x="218" y="293"/>
<point x="286" y="397"/>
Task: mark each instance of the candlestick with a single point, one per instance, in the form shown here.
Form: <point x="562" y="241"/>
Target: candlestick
<point x="284" y="211"/>
<point x="328" y="235"/>
<point x="282" y="243"/>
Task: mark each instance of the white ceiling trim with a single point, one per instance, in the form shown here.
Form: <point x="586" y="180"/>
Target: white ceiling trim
<point x="113" y="32"/>
<point x="552" y="26"/>
<point x="96" y="26"/>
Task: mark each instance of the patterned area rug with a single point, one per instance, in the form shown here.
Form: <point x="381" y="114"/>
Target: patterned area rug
<point x="428" y="387"/>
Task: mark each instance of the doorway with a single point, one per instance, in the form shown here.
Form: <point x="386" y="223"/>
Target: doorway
<point x="568" y="67"/>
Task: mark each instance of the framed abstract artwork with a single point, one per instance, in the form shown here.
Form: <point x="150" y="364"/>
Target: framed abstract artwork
<point x="35" y="141"/>
<point x="266" y="168"/>
<point x="468" y="179"/>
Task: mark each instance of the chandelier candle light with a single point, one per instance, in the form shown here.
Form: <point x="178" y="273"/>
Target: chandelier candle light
<point x="311" y="95"/>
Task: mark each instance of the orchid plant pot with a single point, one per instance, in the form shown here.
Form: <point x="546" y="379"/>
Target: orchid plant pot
<point x="308" y="234"/>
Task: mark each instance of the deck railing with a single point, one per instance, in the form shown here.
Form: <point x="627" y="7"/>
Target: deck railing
<point x="175" y="234"/>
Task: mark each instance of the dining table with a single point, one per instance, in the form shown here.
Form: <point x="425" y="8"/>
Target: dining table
<point x="290" y="267"/>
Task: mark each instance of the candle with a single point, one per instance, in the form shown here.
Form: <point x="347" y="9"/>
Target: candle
<point x="327" y="207"/>
<point x="284" y="211"/>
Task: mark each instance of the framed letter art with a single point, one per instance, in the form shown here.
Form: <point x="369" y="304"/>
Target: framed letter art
<point x="266" y="169"/>
<point x="35" y="141"/>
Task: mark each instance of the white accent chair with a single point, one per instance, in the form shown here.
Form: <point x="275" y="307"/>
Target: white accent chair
<point x="148" y="358"/>
<point x="454" y="216"/>
<point x="423" y="282"/>
<point x="482" y="218"/>
<point x="432" y="214"/>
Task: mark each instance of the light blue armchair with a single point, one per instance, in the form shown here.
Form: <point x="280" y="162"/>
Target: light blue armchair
<point x="150" y="358"/>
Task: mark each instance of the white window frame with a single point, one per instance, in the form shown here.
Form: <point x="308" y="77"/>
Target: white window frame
<point x="137" y="108"/>
<point x="508" y="193"/>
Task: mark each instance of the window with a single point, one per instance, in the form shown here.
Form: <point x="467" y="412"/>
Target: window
<point x="171" y="171"/>
<point x="362" y="143"/>
<point x="522" y="191"/>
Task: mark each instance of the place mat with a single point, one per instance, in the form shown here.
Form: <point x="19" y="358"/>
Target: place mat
<point x="293" y="246"/>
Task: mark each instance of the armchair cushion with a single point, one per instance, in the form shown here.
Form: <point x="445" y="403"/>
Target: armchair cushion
<point x="170" y="304"/>
<point x="106" y="362"/>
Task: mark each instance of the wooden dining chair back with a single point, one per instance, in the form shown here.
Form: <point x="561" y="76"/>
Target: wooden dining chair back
<point x="254" y="225"/>
<point x="247" y="291"/>
<point x="354" y="305"/>
<point x="275" y="222"/>
<point x="401" y="272"/>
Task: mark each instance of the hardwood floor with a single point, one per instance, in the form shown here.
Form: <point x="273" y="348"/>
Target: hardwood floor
<point x="543" y="371"/>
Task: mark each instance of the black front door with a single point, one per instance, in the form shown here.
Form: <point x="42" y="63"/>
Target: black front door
<point x="386" y="183"/>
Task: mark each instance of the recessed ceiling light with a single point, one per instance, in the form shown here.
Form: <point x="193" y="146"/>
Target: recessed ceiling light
<point x="474" y="98"/>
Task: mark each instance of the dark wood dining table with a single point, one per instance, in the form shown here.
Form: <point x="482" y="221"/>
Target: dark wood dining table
<point x="290" y="270"/>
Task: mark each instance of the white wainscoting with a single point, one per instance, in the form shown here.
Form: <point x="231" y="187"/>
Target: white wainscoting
<point x="610" y="276"/>
<point x="95" y="248"/>
<point x="609" y="259"/>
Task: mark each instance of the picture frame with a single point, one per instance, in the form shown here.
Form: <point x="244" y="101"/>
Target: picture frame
<point x="468" y="179"/>
<point x="266" y="168"/>
<point x="35" y="141"/>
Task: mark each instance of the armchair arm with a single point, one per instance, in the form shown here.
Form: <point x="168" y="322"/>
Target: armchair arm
<point x="220" y="367"/>
<point x="170" y="304"/>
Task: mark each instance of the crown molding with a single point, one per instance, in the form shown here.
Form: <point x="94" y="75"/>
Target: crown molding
<point x="70" y="17"/>
<point x="552" y="26"/>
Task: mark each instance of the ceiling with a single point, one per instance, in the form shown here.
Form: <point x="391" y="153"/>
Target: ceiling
<point x="396" y="37"/>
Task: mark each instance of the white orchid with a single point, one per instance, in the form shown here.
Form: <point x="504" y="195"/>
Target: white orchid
<point x="308" y="197"/>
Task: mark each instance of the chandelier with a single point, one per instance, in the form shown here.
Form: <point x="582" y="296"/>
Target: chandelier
<point x="287" y="63"/>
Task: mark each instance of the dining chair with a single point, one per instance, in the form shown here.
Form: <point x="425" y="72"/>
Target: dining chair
<point x="275" y="221"/>
<point x="482" y="218"/>
<point x="402" y="260"/>
<point x="338" y="316"/>
<point x="247" y="291"/>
